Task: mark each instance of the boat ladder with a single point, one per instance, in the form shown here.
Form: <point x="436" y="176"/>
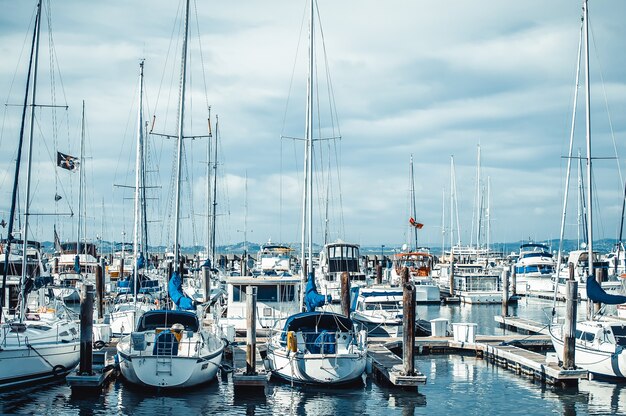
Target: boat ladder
<point x="164" y="365"/>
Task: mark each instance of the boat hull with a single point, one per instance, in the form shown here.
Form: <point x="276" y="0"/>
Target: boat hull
<point x="305" y="368"/>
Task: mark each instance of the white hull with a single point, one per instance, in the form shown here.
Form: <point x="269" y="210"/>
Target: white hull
<point x="427" y="294"/>
<point x="479" y="297"/>
<point x="603" y="359"/>
<point x="315" y="368"/>
<point x="173" y="372"/>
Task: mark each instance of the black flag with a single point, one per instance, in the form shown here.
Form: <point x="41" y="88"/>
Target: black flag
<point x="67" y="162"/>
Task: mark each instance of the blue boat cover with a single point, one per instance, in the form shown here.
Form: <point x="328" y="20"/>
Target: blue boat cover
<point x="312" y="299"/>
<point x="77" y="264"/>
<point x="141" y="261"/>
<point x="175" y="289"/>
<point x="597" y="294"/>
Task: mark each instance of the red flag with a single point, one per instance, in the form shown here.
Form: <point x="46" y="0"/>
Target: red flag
<point x="415" y="224"/>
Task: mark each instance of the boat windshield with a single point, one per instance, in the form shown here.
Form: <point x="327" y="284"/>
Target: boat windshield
<point x="619" y="331"/>
<point x="165" y="319"/>
<point x="385" y="306"/>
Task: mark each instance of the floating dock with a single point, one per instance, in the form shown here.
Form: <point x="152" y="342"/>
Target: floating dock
<point x="387" y="365"/>
<point x="521" y="325"/>
<point x="103" y="368"/>
<point x="241" y="378"/>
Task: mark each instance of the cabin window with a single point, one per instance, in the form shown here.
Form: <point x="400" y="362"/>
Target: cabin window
<point x="585" y="336"/>
<point x="620" y="335"/>
<point x="263" y="293"/>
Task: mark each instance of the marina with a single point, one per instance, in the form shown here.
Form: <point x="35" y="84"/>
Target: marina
<point x="137" y="182"/>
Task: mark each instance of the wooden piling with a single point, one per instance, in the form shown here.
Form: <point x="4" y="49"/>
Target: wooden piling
<point x="505" y="292"/>
<point x="513" y="280"/>
<point x="569" y="327"/>
<point x="86" y="330"/>
<point x="55" y="265"/>
<point x="408" y="327"/>
<point x="251" y="330"/>
<point x="206" y="283"/>
<point x="345" y="293"/>
<point x="121" y="275"/>
<point x="244" y="263"/>
<point x="99" y="292"/>
<point x="451" y="277"/>
<point x="599" y="278"/>
<point x="379" y="273"/>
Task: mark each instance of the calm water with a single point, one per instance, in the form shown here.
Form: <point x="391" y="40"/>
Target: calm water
<point x="456" y="384"/>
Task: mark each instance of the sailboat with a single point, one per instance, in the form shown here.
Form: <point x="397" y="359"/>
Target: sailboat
<point x="314" y="347"/>
<point x="128" y="307"/>
<point x="33" y="346"/>
<point x="172" y="348"/>
<point x="600" y="344"/>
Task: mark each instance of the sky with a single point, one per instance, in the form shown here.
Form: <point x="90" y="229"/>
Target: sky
<point x="409" y="77"/>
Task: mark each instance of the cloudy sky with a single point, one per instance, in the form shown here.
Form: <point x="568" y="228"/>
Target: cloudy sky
<point x="431" y="79"/>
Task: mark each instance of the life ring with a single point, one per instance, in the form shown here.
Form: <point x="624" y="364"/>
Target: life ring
<point x="99" y="344"/>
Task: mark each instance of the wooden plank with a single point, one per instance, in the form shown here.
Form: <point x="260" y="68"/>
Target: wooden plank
<point x="390" y="367"/>
<point x="521" y="323"/>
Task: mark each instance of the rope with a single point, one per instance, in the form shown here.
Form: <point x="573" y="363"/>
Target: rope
<point x="41" y="356"/>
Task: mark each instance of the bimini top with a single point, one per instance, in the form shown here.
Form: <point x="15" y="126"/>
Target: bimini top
<point x="152" y="320"/>
<point x="317" y="321"/>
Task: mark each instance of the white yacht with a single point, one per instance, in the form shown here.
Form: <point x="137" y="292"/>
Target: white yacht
<point x="335" y="259"/>
<point x="534" y="269"/>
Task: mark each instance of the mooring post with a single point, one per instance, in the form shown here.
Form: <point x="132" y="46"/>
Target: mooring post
<point x="121" y="276"/>
<point x="451" y="280"/>
<point x="599" y="278"/>
<point x="251" y="330"/>
<point x="55" y="265"/>
<point x="206" y="283"/>
<point x="99" y="292"/>
<point x="513" y="280"/>
<point x="408" y="325"/>
<point x="505" y="293"/>
<point x="86" y="330"/>
<point x="379" y="273"/>
<point x="244" y="263"/>
<point x="569" y="327"/>
<point x="345" y="293"/>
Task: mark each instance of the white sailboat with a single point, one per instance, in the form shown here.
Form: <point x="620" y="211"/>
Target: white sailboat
<point x="599" y="345"/>
<point x="314" y="347"/>
<point x="127" y="308"/>
<point x="172" y="348"/>
<point x="33" y="346"/>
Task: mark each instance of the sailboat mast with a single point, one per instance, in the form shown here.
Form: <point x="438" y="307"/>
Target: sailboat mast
<point x="208" y="191"/>
<point x="214" y="213"/>
<point x="179" y="140"/>
<point x="28" y="171"/>
<point x="138" y="185"/>
<point x="307" y="203"/>
<point x="80" y="183"/>
<point x="413" y="208"/>
<point x="588" y="135"/>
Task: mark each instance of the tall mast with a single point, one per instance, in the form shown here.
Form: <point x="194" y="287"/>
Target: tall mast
<point x="80" y="186"/>
<point x="138" y="184"/>
<point x="307" y="203"/>
<point x="179" y="140"/>
<point x="208" y="192"/>
<point x="588" y="135"/>
<point x="214" y="210"/>
<point x="413" y="208"/>
<point x="28" y="171"/>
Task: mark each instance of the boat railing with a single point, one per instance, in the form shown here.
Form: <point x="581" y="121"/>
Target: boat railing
<point x="166" y="343"/>
<point x="320" y="341"/>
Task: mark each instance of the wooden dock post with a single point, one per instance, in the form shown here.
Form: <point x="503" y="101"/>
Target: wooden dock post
<point x="206" y="283"/>
<point x="379" y="273"/>
<point x="408" y="324"/>
<point x="253" y="377"/>
<point x="505" y="292"/>
<point x="569" y="328"/>
<point x="121" y="275"/>
<point x="345" y="293"/>
<point x="99" y="292"/>
<point x="86" y="331"/>
<point x="244" y="263"/>
<point x="513" y="280"/>
<point x="451" y="280"/>
<point x="251" y="330"/>
<point x="599" y="278"/>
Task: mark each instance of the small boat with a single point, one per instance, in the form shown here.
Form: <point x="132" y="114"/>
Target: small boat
<point x="419" y="264"/>
<point x="317" y="348"/>
<point x="68" y="287"/>
<point x="169" y="348"/>
<point x="335" y="259"/>
<point x="378" y="309"/>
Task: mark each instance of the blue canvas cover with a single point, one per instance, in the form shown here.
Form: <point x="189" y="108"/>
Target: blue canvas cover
<point x="597" y="294"/>
<point x="312" y="299"/>
<point x="175" y="290"/>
